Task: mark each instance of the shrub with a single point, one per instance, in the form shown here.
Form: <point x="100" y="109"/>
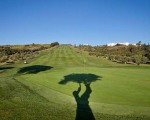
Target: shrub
<point x="3" y="59"/>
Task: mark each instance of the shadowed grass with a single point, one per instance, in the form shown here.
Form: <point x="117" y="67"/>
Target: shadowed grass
<point x="80" y="78"/>
<point x="83" y="110"/>
<point x="33" y="69"/>
<point x="4" y="68"/>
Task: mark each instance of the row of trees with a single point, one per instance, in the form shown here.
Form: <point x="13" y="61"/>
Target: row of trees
<point x="13" y="53"/>
<point x="131" y="54"/>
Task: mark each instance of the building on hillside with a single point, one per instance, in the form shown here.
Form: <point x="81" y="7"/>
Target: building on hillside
<point x="113" y="44"/>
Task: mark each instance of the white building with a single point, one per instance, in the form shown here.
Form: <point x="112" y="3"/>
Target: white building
<point x="113" y="44"/>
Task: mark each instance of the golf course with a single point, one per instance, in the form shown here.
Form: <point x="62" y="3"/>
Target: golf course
<point x="65" y="83"/>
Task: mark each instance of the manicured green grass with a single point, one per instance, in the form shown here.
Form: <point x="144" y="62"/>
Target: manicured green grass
<point x="33" y="91"/>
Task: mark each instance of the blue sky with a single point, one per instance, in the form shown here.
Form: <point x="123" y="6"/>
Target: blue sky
<point x="95" y="22"/>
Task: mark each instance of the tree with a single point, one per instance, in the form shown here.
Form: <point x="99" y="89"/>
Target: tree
<point x="139" y="43"/>
<point x="124" y="59"/>
<point x="54" y="44"/>
<point x="144" y="59"/>
<point x="7" y="51"/>
<point x="138" y="59"/>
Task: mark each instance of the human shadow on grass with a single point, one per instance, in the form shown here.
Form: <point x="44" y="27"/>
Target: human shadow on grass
<point x="83" y="111"/>
<point x="33" y="69"/>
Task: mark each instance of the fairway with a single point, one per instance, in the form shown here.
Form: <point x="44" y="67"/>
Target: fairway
<point x="64" y="83"/>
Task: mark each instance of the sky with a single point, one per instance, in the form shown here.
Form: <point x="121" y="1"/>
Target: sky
<point x="94" y="22"/>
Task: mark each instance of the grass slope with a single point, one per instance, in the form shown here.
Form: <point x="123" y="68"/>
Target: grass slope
<point x="32" y="91"/>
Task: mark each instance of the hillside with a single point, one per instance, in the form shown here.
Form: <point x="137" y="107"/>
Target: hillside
<point x="125" y="54"/>
<point x="47" y="87"/>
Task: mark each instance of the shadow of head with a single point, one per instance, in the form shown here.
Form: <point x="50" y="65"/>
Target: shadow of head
<point x="33" y="69"/>
<point x="80" y="78"/>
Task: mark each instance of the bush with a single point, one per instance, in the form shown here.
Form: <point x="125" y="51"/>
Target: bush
<point x="144" y="59"/>
<point x="3" y="59"/>
<point x="54" y="44"/>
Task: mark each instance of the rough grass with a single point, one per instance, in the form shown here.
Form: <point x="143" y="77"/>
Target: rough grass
<point x="122" y="93"/>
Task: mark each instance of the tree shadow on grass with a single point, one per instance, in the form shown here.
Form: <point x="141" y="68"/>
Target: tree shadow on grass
<point x="83" y="111"/>
<point x="3" y="68"/>
<point x="33" y="69"/>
